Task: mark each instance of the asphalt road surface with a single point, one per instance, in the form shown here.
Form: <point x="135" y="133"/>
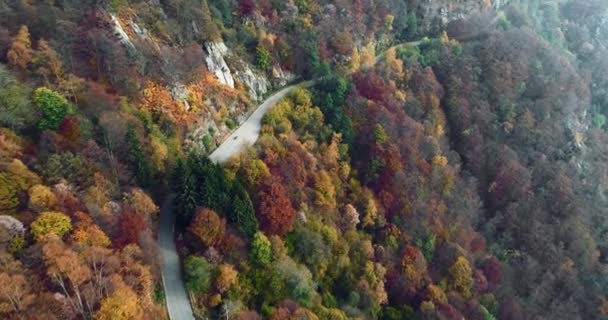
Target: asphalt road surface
<point x="249" y="131"/>
<point x="177" y="301"/>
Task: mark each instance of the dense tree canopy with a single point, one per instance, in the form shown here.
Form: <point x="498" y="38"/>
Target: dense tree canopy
<point x="460" y="175"/>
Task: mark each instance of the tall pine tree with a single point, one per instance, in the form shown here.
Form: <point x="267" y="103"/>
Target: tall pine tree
<point x="184" y="183"/>
<point x="242" y="212"/>
<point x="136" y="158"/>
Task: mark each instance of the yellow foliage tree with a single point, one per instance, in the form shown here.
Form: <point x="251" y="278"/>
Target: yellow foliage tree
<point x="9" y="200"/>
<point x="436" y="294"/>
<point x="368" y="56"/>
<point x="325" y="191"/>
<point x="121" y="304"/>
<point x="21" y="175"/>
<point x="20" y="52"/>
<point x="157" y="98"/>
<point x="99" y="193"/>
<point x="355" y="60"/>
<point x="10" y="146"/>
<point x="42" y="198"/>
<point x="370" y="214"/>
<point x="227" y="276"/>
<point x="49" y="64"/>
<point x="158" y="153"/>
<point x="51" y="222"/>
<point x="140" y="202"/>
<point x="254" y="171"/>
<point x="461" y="276"/>
<point x="393" y="67"/>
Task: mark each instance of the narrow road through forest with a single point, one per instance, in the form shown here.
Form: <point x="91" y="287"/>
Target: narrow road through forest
<point x="178" y="304"/>
<point x="246" y="135"/>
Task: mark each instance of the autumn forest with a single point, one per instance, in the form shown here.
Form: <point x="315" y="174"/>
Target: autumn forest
<point x="429" y="160"/>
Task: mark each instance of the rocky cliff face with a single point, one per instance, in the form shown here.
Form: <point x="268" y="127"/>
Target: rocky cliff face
<point x="434" y="15"/>
<point x="216" y="63"/>
<point x="257" y="84"/>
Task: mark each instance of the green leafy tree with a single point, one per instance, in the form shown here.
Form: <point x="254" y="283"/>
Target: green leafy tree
<point x="199" y="274"/>
<point x="9" y="200"/>
<point x="331" y="97"/>
<point x="298" y="280"/>
<point x="268" y="286"/>
<point x="51" y="222"/>
<point x="312" y="58"/>
<point x="53" y="107"/>
<point x="16" y="110"/>
<point x="137" y="159"/>
<point x="263" y="57"/>
<point x="261" y="250"/>
<point x="412" y="24"/>
<point x="71" y="167"/>
<point x="380" y="136"/>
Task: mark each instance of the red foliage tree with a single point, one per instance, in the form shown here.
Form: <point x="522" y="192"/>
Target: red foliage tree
<point x="512" y="182"/>
<point x="492" y="269"/>
<point x="275" y="211"/>
<point x="246" y="7"/>
<point x="130" y="227"/>
<point x="69" y="128"/>
<point x="371" y="86"/>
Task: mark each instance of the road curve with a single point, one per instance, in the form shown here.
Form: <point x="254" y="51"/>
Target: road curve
<point x="249" y="131"/>
<point x="246" y="135"/>
<point x="178" y="304"/>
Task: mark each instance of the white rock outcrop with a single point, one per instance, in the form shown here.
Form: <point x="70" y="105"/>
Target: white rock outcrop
<point x="257" y="84"/>
<point x="216" y="63"/>
<point x="12" y="225"/>
<point x="119" y="32"/>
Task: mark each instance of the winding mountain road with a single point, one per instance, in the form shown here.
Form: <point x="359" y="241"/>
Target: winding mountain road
<point x="249" y="131"/>
<point x="178" y="304"/>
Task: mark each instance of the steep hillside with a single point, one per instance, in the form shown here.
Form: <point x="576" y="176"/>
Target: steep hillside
<point x="447" y="160"/>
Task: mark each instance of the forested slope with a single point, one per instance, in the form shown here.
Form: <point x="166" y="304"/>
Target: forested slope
<point x="463" y="177"/>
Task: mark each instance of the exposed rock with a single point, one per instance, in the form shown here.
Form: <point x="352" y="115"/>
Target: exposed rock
<point x="281" y="78"/>
<point x="257" y="84"/>
<point x="119" y="32"/>
<point x="179" y="92"/>
<point x="436" y="14"/>
<point x="137" y="29"/>
<point x="216" y="63"/>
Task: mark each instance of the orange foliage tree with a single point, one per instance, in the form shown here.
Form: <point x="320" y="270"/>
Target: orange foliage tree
<point x="20" y="52"/>
<point x="208" y="227"/>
